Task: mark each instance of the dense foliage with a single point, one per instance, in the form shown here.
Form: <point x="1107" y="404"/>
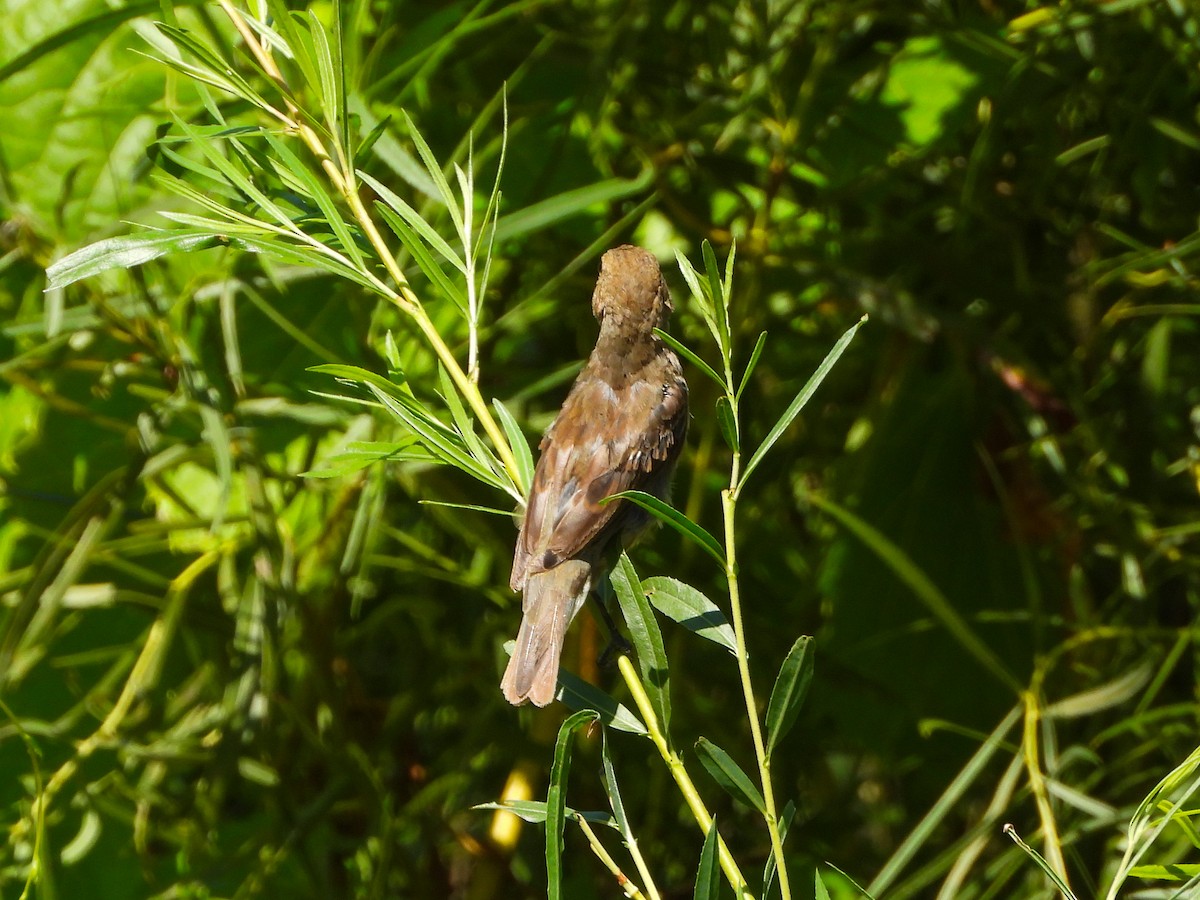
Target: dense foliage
<point x="239" y="656"/>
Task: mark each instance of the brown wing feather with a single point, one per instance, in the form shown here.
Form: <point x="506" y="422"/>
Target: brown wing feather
<point x="603" y="442"/>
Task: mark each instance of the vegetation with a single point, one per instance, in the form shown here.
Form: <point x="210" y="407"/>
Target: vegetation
<point x="260" y="448"/>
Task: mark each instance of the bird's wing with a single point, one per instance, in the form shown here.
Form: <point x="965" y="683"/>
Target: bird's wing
<point x="603" y="442"/>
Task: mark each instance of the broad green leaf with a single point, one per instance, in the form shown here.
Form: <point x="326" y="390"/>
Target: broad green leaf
<point x="791" y="687"/>
<point x="1172" y="872"/>
<point x="708" y="875"/>
<point x="647" y="639"/>
<point x="664" y="512"/>
<point x="579" y="694"/>
<point x="123" y="253"/>
<point x="729" y="775"/>
<point x="684" y="604"/>
<point x="801" y="399"/>
<point x="556" y="798"/>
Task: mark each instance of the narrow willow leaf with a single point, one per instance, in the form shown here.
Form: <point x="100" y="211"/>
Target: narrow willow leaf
<point x="691" y="356"/>
<point x="728" y="424"/>
<point x="551" y="211"/>
<point x="700" y="295"/>
<point x="785" y="822"/>
<point x="556" y="799"/>
<point x="664" y="512"/>
<point x="490" y="510"/>
<point x="579" y="694"/>
<point x="729" y="775"/>
<point x="424" y="259"/>
<point x="708" y="875"/>
<point x="791" y="687"/>
<point x="608" y="777"/>
<point x="123" y="253"/>
<point x="684" y="604"/>
<point x="367" y="144"/>
<point x="727" y="287"/>
<point x="719" y="301"/>
<point x="315" y="190"/>
<point x="757" y="352"/>
<point x="328" y="58"/>
<point x="414" y="220"/>
<point x="520" y="446"/>
<point x="464" y="423"/>
<point x="357" y="375"/>
<point x="434" y="169"/>
<point x="801" y="399"/>
<point x="534" y="811"/>
<point x="647" y="639"/>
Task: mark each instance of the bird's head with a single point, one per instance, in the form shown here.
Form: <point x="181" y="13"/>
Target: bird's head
<point x="630" y="292"/>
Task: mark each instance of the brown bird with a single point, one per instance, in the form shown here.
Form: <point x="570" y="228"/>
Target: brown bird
<point x="621" y="428"/>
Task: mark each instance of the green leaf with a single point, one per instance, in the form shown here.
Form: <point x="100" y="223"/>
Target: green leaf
<point x="691" y="356"/>
<point x="123" y="253"/>
<point x="727" y="422"/>
<point x="414" y="220"/>
<point x="720" y="301"/>
<point x="664" y="512"/>
<point x="434" y="169"/>
<point x="579" y="694"/>
<point x="556" y="799"/>
<point x="791" y="687"/>
<point x="544" y="213"/>
<point x="520" y="446"/>
<point x="801" y="399"/>
<point x="708" y="875"/>
<point x="821" y="892"/>
<point x="926" y="591"/>
<point x="647" y="639"/>
<point x="684" y="604"/>
<point x="729" y="775"/>
<point x="424" y="259"/>
<point x="534" y="811"/>
<point x="755" y="354"/>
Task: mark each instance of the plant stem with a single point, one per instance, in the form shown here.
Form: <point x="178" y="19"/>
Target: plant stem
<point x="679" y="772"/>
<point x="729" y="507"/>
<point x="628" y="887"/>
<point x="344" y="182"/>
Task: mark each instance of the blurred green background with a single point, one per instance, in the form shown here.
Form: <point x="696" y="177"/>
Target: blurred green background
<point x="1010" y="191"/>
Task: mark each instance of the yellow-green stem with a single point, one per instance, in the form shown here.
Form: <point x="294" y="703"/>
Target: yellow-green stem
<point x="729" y="506"/>
<point x="345" y="183"/>
<point x="630" y="889"/>
<point x="679" y="772"/>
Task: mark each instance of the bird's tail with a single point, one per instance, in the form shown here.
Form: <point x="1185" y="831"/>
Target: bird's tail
<point x="552" y="598"/>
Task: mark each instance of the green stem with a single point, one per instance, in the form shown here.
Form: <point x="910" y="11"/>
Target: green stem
<point x="729" y="506"/>
<point x="678" y="771"/>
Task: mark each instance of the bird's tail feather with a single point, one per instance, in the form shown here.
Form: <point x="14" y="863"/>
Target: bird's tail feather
<point x="552" y="598"/>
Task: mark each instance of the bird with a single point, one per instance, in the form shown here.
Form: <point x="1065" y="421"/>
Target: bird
<point x="621" y="427"/>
